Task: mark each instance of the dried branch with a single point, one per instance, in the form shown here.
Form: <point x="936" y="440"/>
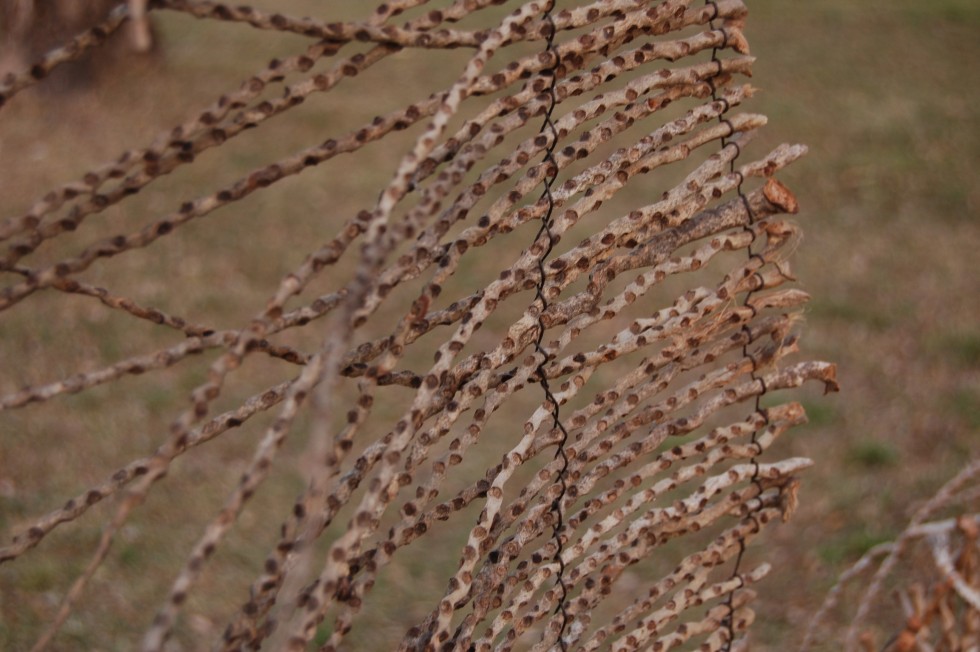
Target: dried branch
<point x="659" y="426"/>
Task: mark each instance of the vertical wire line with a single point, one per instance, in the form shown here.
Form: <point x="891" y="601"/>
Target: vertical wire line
<point x="729" y="621"/>
<point x="549" y="130"/>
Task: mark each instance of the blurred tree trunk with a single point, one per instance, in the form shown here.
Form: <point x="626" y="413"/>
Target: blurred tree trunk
<point x="29" y="28"/>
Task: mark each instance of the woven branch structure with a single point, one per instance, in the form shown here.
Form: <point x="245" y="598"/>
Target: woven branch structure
<point x="620" y="373"/>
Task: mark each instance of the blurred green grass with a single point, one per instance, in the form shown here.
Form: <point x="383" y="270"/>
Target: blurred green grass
<point x="884" y="94"/>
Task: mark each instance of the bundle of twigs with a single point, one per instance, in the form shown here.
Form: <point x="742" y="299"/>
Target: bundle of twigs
<point x="653" y="404"/>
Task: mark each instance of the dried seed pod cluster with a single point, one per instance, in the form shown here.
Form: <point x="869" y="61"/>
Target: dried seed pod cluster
<point x="654" y="335"/>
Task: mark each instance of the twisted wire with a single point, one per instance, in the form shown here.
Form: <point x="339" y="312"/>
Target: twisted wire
<point x="748" y="227"/>
<point x="550" y="131"/>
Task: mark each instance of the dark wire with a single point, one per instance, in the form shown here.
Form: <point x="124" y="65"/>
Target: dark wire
<point x="729" y="621"/>
<point x="549" y="129"/>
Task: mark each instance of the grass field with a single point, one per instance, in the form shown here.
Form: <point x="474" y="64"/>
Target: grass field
<point x="880" y="91"/>
<point x="884" y="93"/>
